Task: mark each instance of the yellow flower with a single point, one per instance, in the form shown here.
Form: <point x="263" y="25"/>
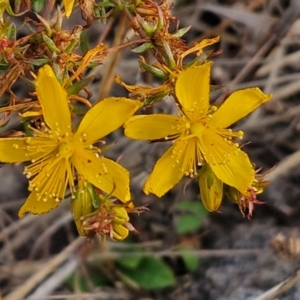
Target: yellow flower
<point x="199" y="134"/>
<point x="58" y="154"/>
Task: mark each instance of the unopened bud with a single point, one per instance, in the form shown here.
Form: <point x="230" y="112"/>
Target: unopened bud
<point x="211" y="189"/>
<point x="157" y="72"/>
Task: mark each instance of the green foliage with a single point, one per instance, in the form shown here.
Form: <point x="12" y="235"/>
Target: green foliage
<point x="131" y="262"/>
<point x="149" y="273"/>
<point x="190" y="216"/>
<point x="190" y="261"/>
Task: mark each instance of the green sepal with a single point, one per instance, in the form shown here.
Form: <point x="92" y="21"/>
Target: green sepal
<point x="143" y="48"/>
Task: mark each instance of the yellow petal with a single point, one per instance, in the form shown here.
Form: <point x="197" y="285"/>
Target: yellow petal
<point x="198" y="48"/>
<point x="35" y="206"/>
<point x="120" y="232"/>
<point x="13" y="150"/>
<point x="238" y="105"/>
<point x="230" y="164"/>
<point x="51" y="182"/>
<point x="153" y="127"/>
<point x="168" y="170"/>
<point x="121" y="215"/>
<point x="54" y="100"/>
<point x="103" y="173"/>
<point x="105" y="117"/>
<point x="192" y="89"/>
<point x="68" y="4"/>
<point x="211" y="189"/>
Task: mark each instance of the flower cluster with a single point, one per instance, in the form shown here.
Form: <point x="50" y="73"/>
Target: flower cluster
<point x="67" y="159"/>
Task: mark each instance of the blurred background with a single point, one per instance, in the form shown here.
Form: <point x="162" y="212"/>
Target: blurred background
<point x="181" y="251"/>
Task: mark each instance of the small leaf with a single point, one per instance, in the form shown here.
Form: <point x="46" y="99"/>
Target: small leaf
<point x="39" y="61"/>
<point x="190" y="261"/>
<point x="130" y="262"/>
<point x="190" y="216"/>
<point x="188" y="223"/>
<point x="179" y="33"/>
<point x="151" y="273"/>
<point x="78" y="86"/>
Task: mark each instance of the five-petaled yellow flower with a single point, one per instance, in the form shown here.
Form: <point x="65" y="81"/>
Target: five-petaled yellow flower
<point x="60" y="155"/>
<point x="199" y="134"/>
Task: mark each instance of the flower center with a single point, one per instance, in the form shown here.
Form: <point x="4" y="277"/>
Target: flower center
<point x="66" y="149"/>
<point x="197" y="129"/>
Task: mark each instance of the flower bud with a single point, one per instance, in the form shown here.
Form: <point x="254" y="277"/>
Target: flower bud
<point x="157" y="72"/>
<point x="211" y="189"/>
<point x="81" y="205"/>
<point x="143" y="48"/>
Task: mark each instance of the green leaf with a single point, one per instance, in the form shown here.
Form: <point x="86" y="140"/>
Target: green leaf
<point x="190" y="261"/>
<point x="130" y="262"/>
<point x="186" y="224"/>
<point x="179" y="33"/>
<point x="78" y="86"/>
<point x="151" y="273"/>
<point x="190" y="216"/>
